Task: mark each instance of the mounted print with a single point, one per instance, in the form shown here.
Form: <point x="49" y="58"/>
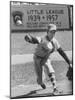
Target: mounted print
<point x="41" y="49"/>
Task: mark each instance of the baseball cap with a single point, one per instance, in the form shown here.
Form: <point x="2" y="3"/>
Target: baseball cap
<point x="52" y="27"/>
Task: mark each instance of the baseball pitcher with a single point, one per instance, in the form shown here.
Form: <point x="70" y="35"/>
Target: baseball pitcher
<point x="45" y="47"/>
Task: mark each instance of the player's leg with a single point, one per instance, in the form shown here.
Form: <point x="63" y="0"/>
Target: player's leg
<point x="53" y="81"/>
<point x="45" y="76"/>
<point x="51" y="74"/>
<point x="38" y="70"/>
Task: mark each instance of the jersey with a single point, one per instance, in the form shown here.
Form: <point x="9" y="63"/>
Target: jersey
<point x="46" y="47"/>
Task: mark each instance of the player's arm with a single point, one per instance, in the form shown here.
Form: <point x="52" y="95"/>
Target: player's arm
<point x="63" y="54"/>
<point x="61" y="51"/>
<point x="69" y="73"/>
<point x="31" y="39"/>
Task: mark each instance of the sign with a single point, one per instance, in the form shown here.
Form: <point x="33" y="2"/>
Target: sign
<point x="39" y="16"/>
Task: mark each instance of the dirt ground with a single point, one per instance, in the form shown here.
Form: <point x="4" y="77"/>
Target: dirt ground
<point x="23" y="80"/>
<point x="22" y="91"/>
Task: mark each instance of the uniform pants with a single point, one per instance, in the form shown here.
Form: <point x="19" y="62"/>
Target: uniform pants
<point x="39" y="63"/>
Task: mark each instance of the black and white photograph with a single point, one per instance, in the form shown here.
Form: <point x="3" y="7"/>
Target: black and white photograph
<point x="41" y="49"/>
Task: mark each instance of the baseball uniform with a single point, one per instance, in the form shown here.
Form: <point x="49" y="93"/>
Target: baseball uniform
<point x="42" y="56"/>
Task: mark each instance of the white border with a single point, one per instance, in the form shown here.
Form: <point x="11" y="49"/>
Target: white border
<point x="5" y="49"/>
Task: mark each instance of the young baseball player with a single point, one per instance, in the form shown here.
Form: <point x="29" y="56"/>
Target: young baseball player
<point x="45" y="47"/>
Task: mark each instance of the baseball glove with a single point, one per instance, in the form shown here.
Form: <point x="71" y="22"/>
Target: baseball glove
<point x="70" y="73"/>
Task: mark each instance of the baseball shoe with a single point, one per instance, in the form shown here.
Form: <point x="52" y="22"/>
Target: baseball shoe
<point x="43" y="86"/>
<point x="56" y="91"/>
